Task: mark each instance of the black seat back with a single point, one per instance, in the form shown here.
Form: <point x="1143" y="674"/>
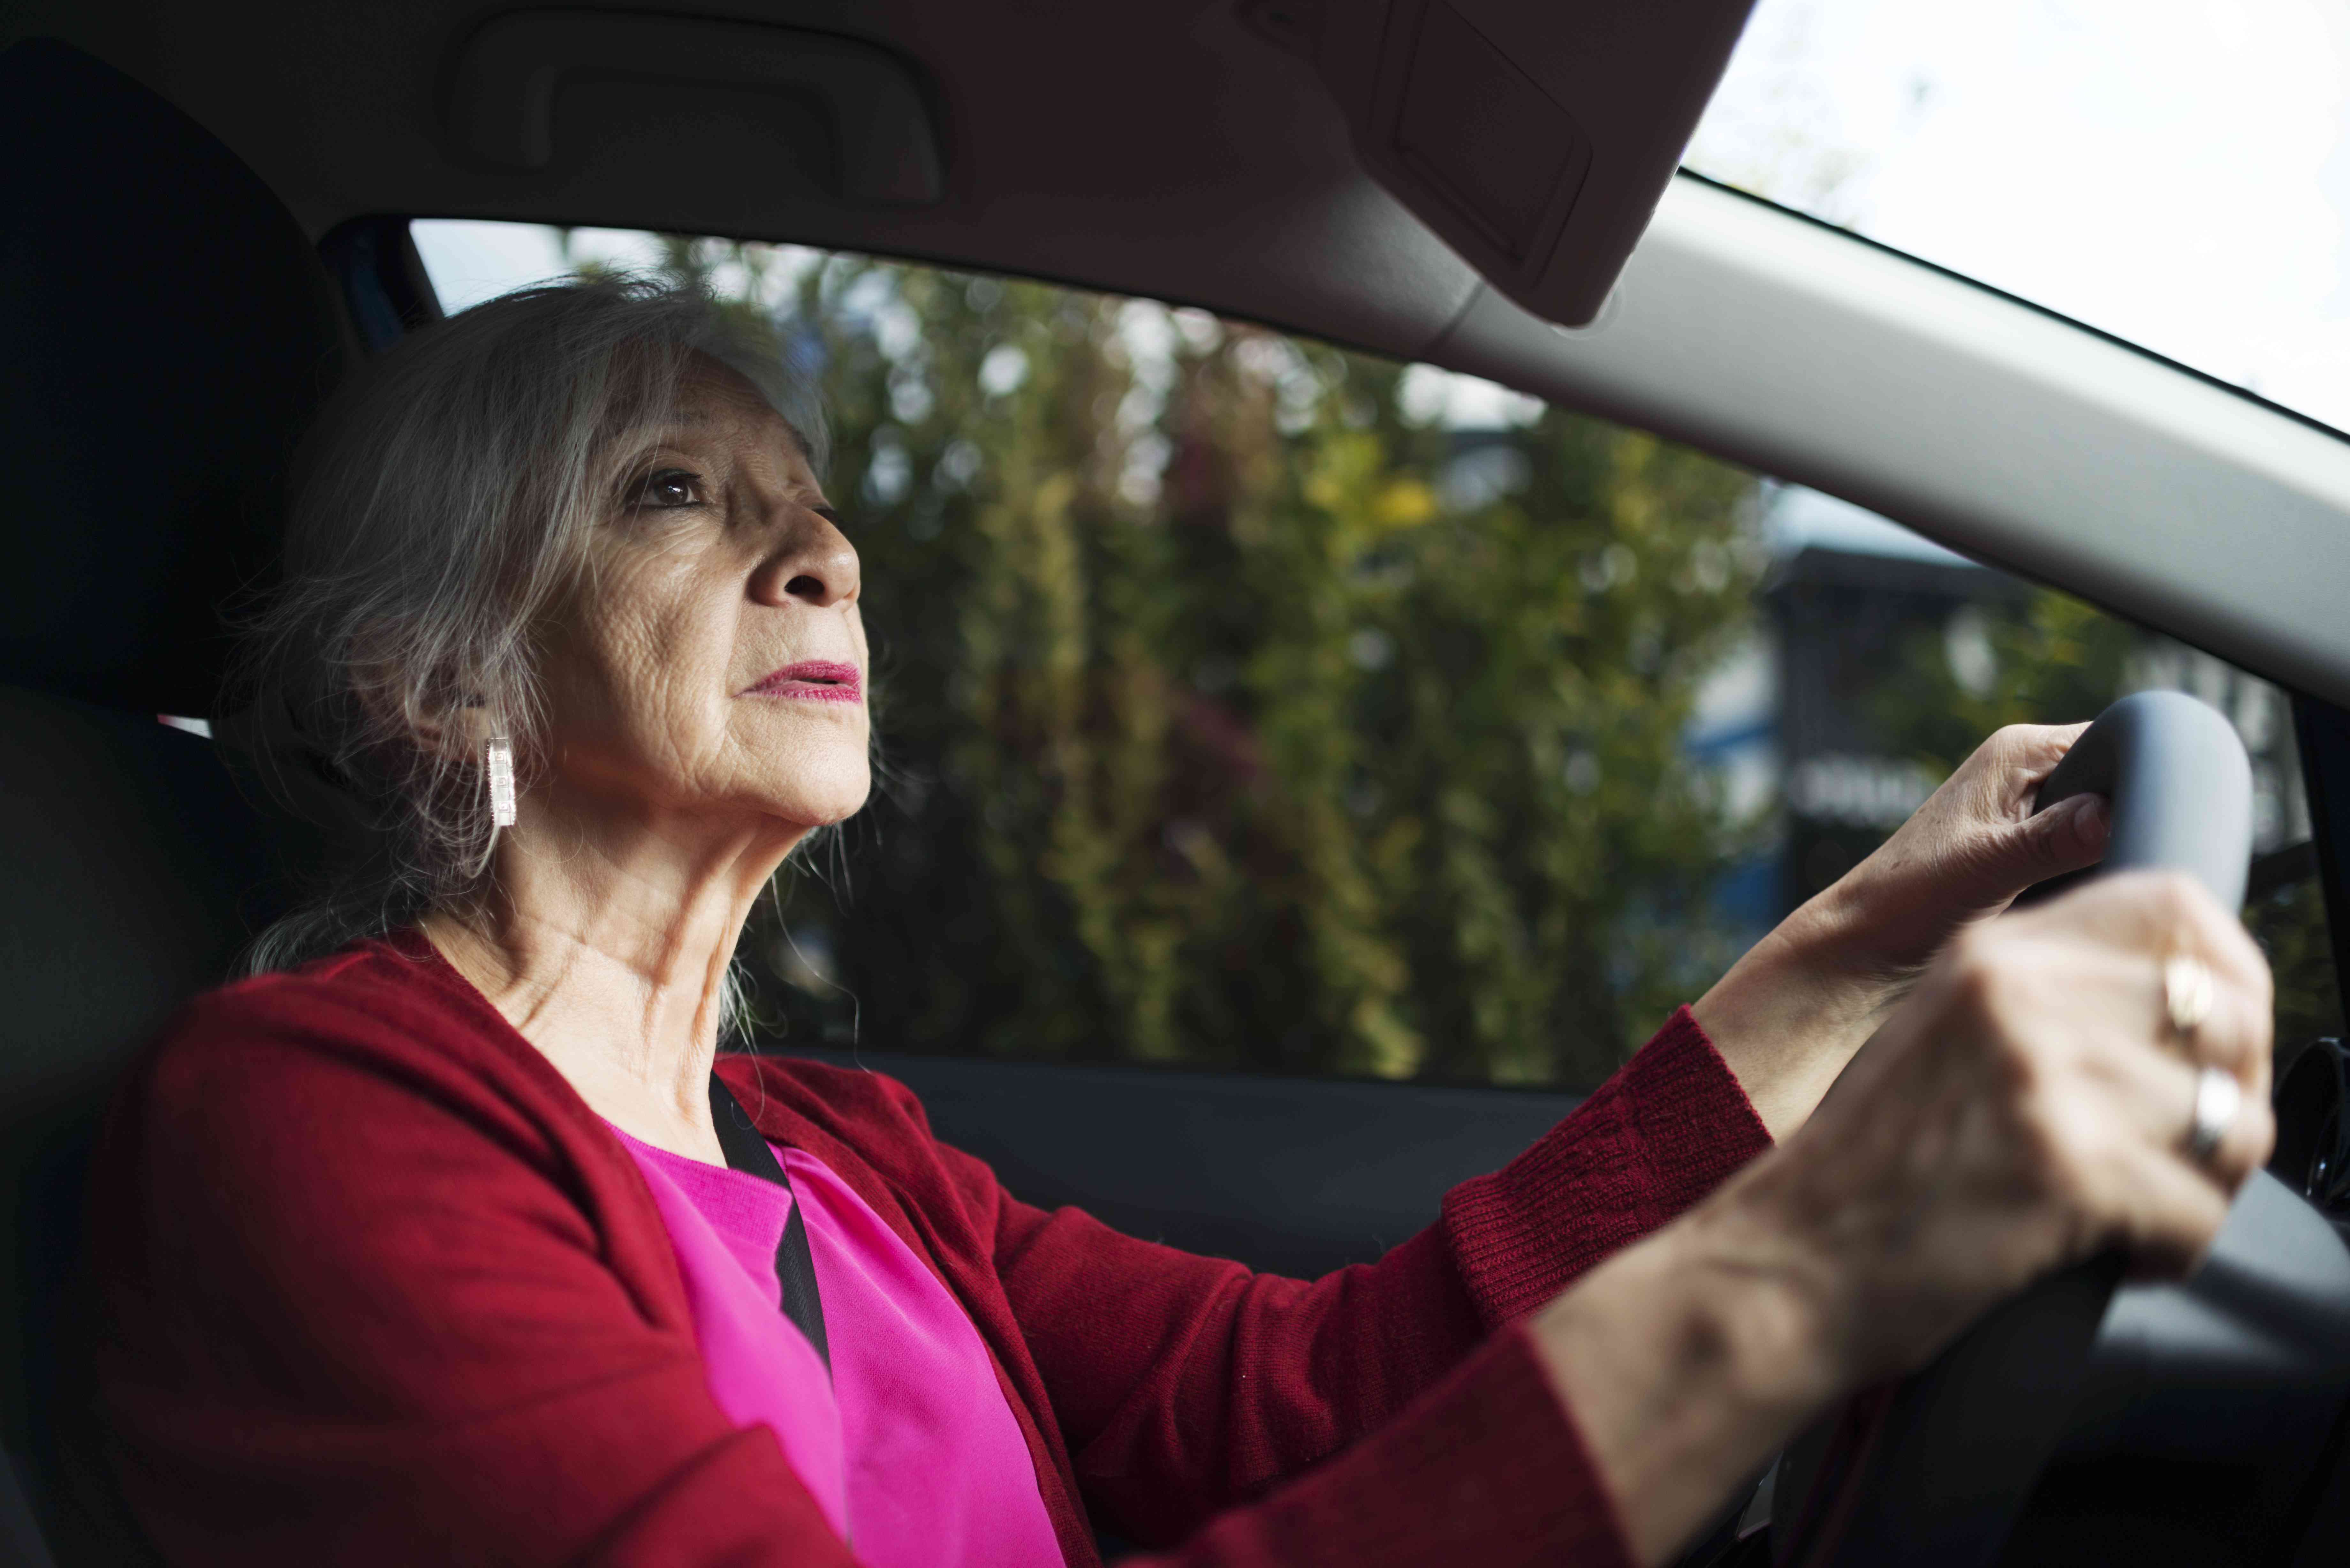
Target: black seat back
<point x="166" y="332"/>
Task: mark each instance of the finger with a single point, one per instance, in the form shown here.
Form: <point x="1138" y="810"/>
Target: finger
<point x="2235" y="1033"/>
<point x="2068" y="837"/>
<point x="2218" y="937"/>
<point x="2131" y="987"/>
<point x="2010" y="847"/>
<point x="2246" y="1146"/>
<point x="2239" y="1029"/>
<point x="2007" y="769"/>
<point x="2166" y="913"/>
<point x="2117" y="994"/>
<point x="2022" y="754"/>
<point x="2155" y="1093"/>
<point x="2163" y="912"/>
<point x="2163" y="1211"/>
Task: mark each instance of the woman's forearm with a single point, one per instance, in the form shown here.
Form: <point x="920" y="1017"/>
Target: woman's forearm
<point x="1687" y="1361"/>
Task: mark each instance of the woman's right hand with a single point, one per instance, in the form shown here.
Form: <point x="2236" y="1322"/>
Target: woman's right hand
<point x="2028" y="1104"/>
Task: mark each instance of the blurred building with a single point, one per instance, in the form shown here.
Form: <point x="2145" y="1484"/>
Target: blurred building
<point x="1795" y="725"/>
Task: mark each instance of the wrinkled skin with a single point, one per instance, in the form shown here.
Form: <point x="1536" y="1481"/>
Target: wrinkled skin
<point x="1791" y="1012"/>
<point x="2025" y="1105"/>
<point x="720" y="563"/>
<point x="669" y="785"/>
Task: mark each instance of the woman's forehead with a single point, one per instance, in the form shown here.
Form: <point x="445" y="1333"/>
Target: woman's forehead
<point x="714" y="396"/>
<point x="715" y="402"/>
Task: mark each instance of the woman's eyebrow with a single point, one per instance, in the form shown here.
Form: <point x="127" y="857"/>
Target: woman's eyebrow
<point x="648" y="440"/>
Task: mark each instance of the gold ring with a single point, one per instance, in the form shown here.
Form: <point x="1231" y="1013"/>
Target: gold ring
<point x="2186" y="992"/>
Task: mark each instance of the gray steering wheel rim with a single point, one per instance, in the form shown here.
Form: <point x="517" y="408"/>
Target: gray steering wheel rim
<point x="1933" y="1471"/>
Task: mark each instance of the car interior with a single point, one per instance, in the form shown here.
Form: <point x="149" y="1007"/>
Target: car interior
<point x="205" y="223"/>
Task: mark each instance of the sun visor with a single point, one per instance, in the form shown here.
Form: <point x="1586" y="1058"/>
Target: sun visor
<point x="1535" y="137"/>
<point x="533" y="89"/>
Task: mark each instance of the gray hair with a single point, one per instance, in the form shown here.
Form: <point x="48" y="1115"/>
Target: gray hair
<point x="445" y="500"/>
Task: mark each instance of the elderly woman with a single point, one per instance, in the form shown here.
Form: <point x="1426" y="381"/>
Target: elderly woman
<point x="452" y="1236"/>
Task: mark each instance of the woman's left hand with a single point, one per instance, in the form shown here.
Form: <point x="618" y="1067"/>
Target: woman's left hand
<point x="1790" y="1014"/>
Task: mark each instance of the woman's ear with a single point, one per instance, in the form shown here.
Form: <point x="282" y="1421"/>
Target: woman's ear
<point x="459" y="730"/>
<point x="443" y="715"/>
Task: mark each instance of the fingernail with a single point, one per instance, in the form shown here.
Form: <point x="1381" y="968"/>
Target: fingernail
<point x="2092" y="819"/>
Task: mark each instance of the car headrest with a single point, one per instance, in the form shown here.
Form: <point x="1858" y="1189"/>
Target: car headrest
<point x="166" y="332"/>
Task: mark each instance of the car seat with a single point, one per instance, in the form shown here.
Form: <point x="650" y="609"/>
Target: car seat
<point x="166" y="332"/>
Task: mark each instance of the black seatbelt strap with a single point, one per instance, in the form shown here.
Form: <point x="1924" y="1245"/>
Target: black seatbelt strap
<point x="747" y="1151"/>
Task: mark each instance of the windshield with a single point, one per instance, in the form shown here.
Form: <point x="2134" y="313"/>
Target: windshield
<point x="2171" y="171"/>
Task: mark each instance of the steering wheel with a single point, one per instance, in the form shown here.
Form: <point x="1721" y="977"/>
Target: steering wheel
<point x="1933" y="1471"/>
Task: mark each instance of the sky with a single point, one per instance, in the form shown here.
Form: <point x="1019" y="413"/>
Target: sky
<point x="471" y="262"/>
<point x="2172" y="171"/>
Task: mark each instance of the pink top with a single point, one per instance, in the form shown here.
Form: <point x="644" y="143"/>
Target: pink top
<point x="909" y="1445"/>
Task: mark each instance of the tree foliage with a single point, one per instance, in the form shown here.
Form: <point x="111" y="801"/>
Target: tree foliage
<point x="1228" y="715"/>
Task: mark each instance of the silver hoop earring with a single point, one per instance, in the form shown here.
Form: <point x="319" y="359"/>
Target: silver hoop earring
<point x="497" y="764"/>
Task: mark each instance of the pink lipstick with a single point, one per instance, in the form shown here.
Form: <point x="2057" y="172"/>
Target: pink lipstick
<point x="819" y="679"/>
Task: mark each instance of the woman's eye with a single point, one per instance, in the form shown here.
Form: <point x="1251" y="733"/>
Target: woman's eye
<point x="667" y="487"/>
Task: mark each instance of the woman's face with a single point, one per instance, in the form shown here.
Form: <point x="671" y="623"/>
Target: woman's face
<point x="711" y="658"/>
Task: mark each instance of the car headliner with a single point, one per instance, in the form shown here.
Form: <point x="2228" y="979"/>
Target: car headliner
<point x="1169" y="148"/>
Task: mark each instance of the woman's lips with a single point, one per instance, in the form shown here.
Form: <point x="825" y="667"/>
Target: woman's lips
<point x="818" y="680"/>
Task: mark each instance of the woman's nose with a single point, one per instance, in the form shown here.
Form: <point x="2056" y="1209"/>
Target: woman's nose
<point x="818" y="567"/>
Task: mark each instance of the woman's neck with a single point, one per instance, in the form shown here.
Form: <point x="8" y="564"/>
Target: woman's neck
<point x="606" y="941"/>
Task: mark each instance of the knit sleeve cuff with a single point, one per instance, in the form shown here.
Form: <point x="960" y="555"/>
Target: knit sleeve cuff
<point x="1666" y="1130"/>
<point x="1486" y="1468"/>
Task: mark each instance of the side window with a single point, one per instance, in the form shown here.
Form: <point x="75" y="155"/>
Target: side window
<point x="1246" y="703"/>
<point x="1896" y="657"/>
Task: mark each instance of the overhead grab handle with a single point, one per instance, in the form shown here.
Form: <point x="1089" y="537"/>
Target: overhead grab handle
<point x="510" y="73"/>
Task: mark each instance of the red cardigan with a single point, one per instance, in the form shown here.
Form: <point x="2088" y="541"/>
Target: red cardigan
<point x="376" y="1286"/>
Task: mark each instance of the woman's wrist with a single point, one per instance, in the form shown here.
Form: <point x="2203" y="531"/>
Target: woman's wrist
<point x="1687" y="1360"/>
<point x="1792" y="1011"/>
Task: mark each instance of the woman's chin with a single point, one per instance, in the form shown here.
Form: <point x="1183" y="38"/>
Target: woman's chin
<point x="813" y="804"/>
